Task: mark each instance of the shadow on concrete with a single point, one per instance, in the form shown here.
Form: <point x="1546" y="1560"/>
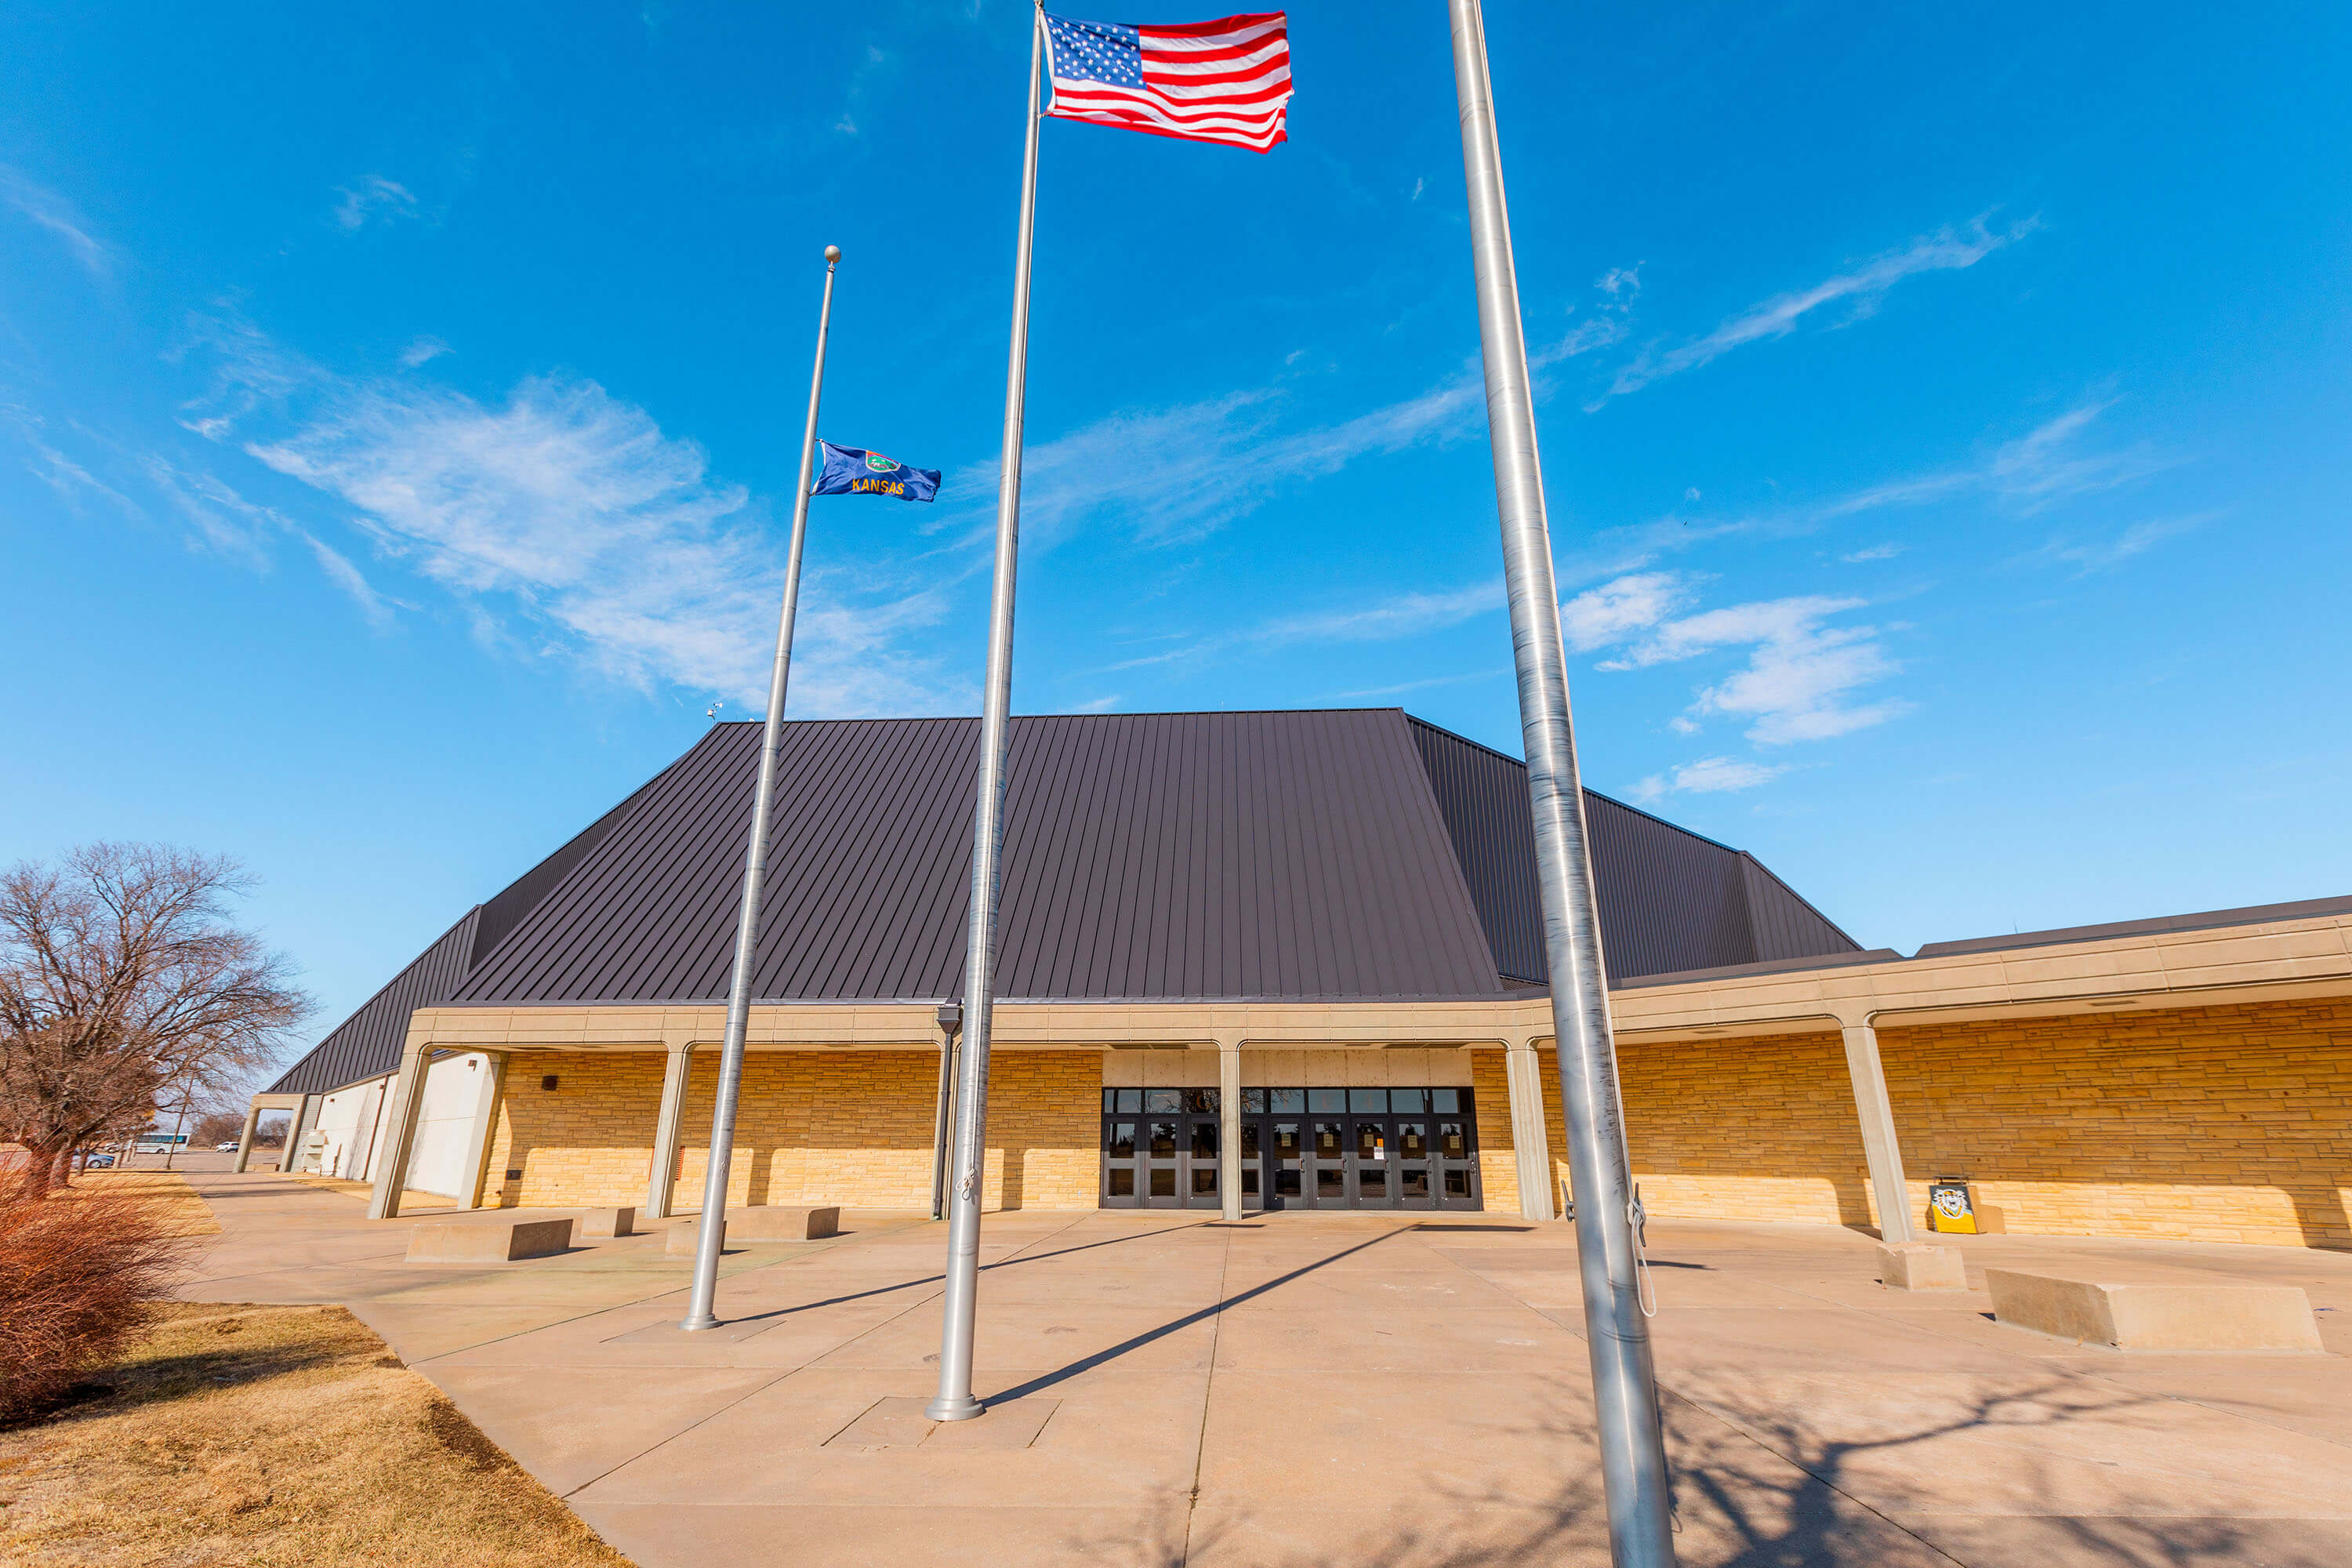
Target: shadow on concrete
<point x="1111" y="1354"/>
<point x="1748" y="1494"/>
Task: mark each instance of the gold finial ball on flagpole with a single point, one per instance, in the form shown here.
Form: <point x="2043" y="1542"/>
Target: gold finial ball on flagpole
<point x="832" y="253"/>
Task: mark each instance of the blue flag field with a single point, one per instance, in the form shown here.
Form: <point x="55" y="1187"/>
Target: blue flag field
<point x="855" y="472"/>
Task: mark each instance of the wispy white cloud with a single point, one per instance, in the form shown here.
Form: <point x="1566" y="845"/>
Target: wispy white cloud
<point x="2105" y="555"/>
<point x="72" y="481"/>
<point x="1610" y="614"/>
<point x="1875" y="552"/>
<point x="47" y="209"/>
<point x="373" y="200"/>
<point x="422" y="351"/>
<point x="226" y="523"/>
<point x="2026" y="475"/>
<point x="1093" y="705"/>
<point x="1708" y="776"/>
<point x="1861" y="288"/>
<point x="1387" y="618"/>
<point x="1402" y="687"/>
<point x="1802" y="673"/>
<point x="1169" y="475"/>
<point x="567" y="521"/>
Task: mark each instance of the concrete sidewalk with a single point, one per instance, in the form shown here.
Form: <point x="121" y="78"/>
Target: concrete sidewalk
<point x="1381" y="1389"/>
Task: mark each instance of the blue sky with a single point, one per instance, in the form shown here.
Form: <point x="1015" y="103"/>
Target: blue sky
<point x="1943" y="415"/>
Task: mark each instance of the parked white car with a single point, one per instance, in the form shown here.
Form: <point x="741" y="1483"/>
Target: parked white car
<point x="227" y="1148"/>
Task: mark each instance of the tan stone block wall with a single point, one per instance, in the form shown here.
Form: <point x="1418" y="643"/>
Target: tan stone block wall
<point x="1768" y="1133"/>
<point x="589" y="1140"/>
<point x="1498" y="1159"/>
<point x="848" y="1128"/>
<point x="2203" y="1123"/>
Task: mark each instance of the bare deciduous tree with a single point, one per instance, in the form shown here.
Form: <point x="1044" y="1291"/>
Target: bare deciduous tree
<point x="122" y="980"/>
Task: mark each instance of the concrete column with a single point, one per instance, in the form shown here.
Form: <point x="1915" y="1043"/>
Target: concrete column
<point x="297" y="1135"/>
<point x="1530" y="1137"/>
<point x="1878" y="1143"/>
<point x="477" y="1167"/>
<point x="244" y="1139"/>
<point x="661" y="1180"/>
<point x="400" y="1131"/>
<point x="1229" y="1126"/>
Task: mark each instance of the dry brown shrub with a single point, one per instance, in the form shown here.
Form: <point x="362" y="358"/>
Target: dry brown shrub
<point x="75" y="1281"/>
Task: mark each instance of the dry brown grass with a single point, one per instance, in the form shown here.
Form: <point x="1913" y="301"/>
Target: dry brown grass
<point x="276" y="1436"/>
<point x="178" y="1210"/>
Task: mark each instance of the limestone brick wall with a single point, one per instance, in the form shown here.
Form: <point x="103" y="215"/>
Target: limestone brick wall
<point x="1760" y="1129"/>
<point x="852" y="1128"/>
<point x="2203" y="1124"/>
<point x="2206" y="1123"/>
<point x="1498" y="1170"/>
<point x="588" y="1140"/>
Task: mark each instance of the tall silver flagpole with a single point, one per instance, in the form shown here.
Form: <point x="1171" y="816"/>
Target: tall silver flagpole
<point x="712" y="1224"/>
<point x="955" y="1401"/>
<point x="1632" y="1448"/>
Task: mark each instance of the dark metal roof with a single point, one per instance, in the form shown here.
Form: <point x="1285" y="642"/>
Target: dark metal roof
<point x="369" y="1041"/>
<point x="1329" y="855"/>
<point x="1287" y="853"/>
<point x="2252" y="914"/>
<point x="1670" y="900"/>
<point x="2209" y="919"/>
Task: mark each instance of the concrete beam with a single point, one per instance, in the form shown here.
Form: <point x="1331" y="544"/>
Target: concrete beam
<point x="245" y="1139"/>
<point x="474" y="1171"/>
<point x="1229" y="1126"/>
<point x="1530" y="1130"/>
<point x="1879" y="1146"/>
<point x="669" y="1127"/>
<point x="392" y="1159"/>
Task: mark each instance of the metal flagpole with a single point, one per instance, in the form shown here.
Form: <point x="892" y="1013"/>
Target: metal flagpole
<point x="1632" y="1449"/>
<point x="712" y="1223"/>
<point x="955" y="1401"/>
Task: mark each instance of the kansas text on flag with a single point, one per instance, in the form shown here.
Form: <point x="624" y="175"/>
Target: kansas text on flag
<point x="855" y="472"/>
<point x="1227" y="80"/>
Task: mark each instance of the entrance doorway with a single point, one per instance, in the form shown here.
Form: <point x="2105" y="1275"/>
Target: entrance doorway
<point x="1414" y="1148"/>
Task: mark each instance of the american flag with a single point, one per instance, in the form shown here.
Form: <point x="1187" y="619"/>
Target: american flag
<point x="1227" y="80"/>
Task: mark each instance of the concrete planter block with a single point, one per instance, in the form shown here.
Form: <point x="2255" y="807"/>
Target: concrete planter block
<point x="2155" y="1317"/>
<point x="765" y="1224"/>
<point x="1917" y="1266"/>
<point x="609" y="1221"/>
<point x="476" y="1241"/>
<point x="686" y="1235"/>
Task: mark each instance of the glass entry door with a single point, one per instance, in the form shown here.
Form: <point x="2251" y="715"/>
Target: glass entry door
<point x="1159" y="1149"/>
<point x="1406" y="1148"/>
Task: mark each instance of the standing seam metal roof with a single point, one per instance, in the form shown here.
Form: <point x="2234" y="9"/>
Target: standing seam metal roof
<point x="1324" y="854"/>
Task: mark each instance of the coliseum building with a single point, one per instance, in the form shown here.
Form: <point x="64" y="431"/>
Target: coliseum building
<point x="1293" y="960"/>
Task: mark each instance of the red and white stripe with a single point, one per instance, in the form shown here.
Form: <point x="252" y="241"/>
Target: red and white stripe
<point x="1227" y="80"/>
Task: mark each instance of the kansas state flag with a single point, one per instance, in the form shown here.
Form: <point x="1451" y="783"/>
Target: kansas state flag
<point x="853" y="471"/>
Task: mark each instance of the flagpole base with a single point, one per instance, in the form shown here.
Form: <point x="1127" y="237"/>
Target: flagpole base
<point x="705" y="1322"/>
<point x="961" y="1409"/>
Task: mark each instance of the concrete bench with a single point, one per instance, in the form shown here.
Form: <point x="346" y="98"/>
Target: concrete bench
<point x="761" y="1223"/>
<point x="609" y="1221"/>
<point x="766" y="1224"/>
<point x="1917" y="1266"/>
<point x="2155" y="1317"/>
<point x="488" y="1241"/>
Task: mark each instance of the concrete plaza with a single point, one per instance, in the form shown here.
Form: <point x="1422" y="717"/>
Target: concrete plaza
<point x="1359" y="1389"/>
